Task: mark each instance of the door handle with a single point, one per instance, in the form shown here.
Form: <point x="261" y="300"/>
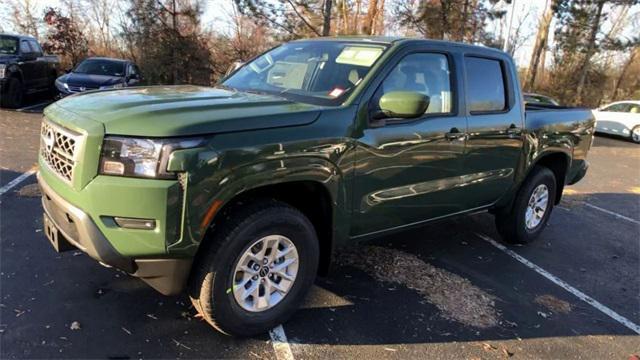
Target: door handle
<point x="513" y="130"/>
<point x="455" y="134"/>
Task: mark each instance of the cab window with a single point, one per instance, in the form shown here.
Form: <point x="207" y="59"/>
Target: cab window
<point x="24" y="47"/>
<point x="426" y="73"/>
<point x="485" y="85"/>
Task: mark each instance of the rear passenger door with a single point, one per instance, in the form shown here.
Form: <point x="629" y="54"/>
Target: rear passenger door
<point x="495" y="128"/>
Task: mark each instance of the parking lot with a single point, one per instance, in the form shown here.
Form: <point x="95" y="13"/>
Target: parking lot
<point x="447" y="290"/>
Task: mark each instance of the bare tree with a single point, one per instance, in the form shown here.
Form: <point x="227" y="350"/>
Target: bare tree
<point x="100" y="12"/>
<point x="24" y="17"/>
<point x="591" y="48"/>
<point x="540" y="46"/>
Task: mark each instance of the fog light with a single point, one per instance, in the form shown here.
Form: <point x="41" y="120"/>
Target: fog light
<point x="133" y="223"/>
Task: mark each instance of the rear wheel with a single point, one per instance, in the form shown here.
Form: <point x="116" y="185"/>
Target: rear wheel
<point x="256" y="268"/>
<point x="531" y="209"/>
<point x="635" y="134"/>
<point x="12" y="94"/>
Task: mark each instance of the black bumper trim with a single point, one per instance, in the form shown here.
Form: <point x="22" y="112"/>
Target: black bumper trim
<point x="167" y="276"/>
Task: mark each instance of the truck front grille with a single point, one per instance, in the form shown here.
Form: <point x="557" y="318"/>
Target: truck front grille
<point x="58" y="149"/>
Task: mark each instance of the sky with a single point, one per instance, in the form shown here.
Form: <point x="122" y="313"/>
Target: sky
<point x="217" y="15"/>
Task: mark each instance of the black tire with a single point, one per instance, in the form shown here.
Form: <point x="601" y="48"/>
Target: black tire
<point x="631" y="137"/>
<point x="511" y="223"/>
<point x="212" y="275"/>
<point x="12" y="94"/>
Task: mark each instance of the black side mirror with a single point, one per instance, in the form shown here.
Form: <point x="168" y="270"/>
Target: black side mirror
<point x="68" y="70"/>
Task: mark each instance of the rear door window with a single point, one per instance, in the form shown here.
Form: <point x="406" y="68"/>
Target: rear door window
<point x="485" y="85"/>
<point x="35" y="47"/>
<point x="25" y="48"/>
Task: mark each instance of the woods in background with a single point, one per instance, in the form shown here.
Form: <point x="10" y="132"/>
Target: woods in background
<point x="583" y="52"/>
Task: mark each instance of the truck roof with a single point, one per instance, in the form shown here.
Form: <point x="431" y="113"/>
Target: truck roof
<point x="400" y="39"/>
<point x="20" y="37"/>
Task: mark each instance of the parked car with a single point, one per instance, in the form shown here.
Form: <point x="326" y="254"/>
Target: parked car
<point x="99" y="73"/>
<point x="243" y="192"/>
<point x="620" y="118"/>
<point x="24" y="69"/>
<point x="531" y="98"/>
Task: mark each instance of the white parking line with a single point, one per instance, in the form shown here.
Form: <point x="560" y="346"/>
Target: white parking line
<point x="16" y="181"/>
<point x="579" y="294"/>
<point x="280" y="343"/>
<point x="613" y="213"/>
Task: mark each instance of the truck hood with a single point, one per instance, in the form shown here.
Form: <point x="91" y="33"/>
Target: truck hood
<point x="160" y="111"/>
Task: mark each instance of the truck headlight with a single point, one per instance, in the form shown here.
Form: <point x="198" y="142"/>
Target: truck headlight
<point x="3" y="69"/>
<point x="136" y="157"/>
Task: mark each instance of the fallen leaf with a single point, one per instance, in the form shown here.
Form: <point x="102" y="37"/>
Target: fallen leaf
<point x="488" y="347"/>
<point x="506" y="352"/>
<point x="543" y="314"/>
<point x="178" y="343"/>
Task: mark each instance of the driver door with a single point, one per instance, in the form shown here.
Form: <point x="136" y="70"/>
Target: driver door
<point x="410" y="170"/>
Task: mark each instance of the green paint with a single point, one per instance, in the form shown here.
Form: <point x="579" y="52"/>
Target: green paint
<point x="377" y="178"/>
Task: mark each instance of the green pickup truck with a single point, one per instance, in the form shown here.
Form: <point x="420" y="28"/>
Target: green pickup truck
<point x="241" y="193"/>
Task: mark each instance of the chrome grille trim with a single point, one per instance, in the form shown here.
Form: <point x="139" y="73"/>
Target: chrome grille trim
<point x="59" y="149"/>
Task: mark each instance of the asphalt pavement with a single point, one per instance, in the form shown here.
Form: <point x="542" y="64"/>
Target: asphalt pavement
<point x="445" y="290"/>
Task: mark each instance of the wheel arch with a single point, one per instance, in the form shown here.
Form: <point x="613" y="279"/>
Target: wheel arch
<point x="558" y="162"/>
<point x="316" y="191"/>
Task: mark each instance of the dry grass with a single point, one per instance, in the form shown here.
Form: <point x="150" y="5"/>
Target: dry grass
<point x="453" y="295"/>
<point x="553" y="304"/>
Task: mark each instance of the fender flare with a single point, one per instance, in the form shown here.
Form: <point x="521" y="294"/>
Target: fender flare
<point x="240" y="181"/>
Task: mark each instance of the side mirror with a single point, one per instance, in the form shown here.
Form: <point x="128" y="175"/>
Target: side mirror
<point x="404" y="104"/>
<point x="68" y="70"/>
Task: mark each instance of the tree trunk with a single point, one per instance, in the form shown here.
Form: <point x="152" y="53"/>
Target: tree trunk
<point x="463" y="24"/>
<point x="540" y="45"/>
<point x="174" y="63"/>
<point x="586" y="63"/>
<point x="326" y="17"/>
<point x="614" y="94"/>
<point x="378" y="24"/>
<point x="368" y="28"/>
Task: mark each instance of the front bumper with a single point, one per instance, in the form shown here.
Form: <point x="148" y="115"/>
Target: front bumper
<point x="167" y="275"/>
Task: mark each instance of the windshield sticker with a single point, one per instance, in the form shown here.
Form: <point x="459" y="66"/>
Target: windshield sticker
<point x="336" y="92"/>
<point x="359" y="55"/>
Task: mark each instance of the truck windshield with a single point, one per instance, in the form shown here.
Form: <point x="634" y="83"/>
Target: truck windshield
<point x="8" y="45"/>
<point x="322" y="73"/>
<point x="101" y="67"/>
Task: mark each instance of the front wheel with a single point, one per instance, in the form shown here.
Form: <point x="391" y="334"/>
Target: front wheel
<point x="635" y="134"/>
<point x="531" y="209"/>
<point x="256" y="268"/>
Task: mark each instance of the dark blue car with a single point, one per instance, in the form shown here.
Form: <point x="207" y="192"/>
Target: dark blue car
<point x="99" y="73"/>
